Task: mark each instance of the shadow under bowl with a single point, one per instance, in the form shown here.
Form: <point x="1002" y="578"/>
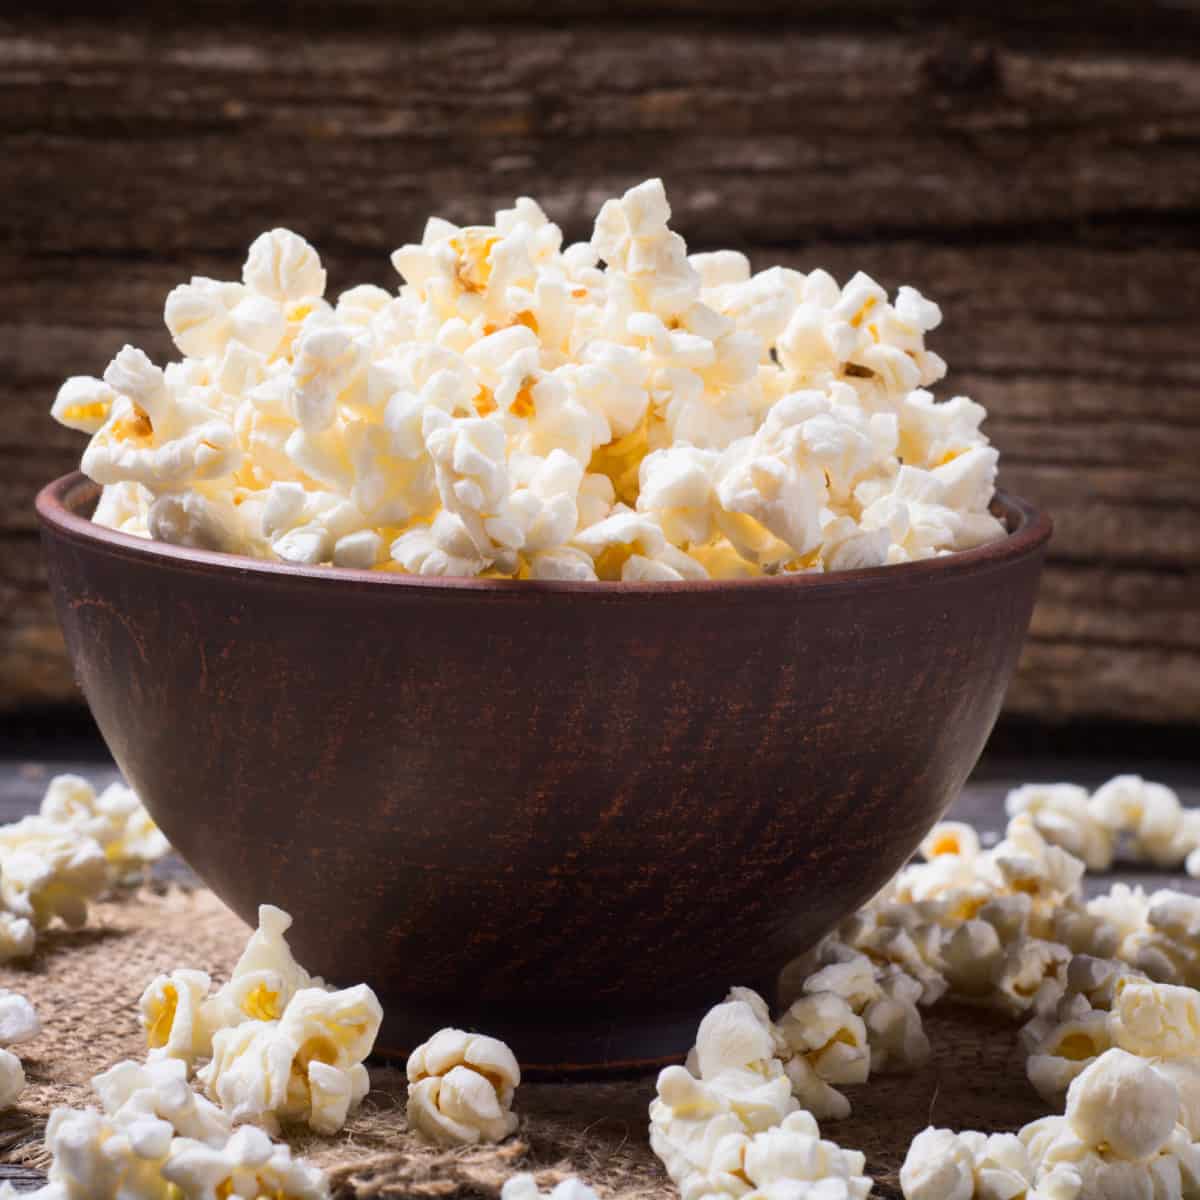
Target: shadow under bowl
<point x="569" y="815"/>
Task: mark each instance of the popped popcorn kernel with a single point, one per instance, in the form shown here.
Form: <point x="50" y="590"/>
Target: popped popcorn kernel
<point x="461" y="1087"/>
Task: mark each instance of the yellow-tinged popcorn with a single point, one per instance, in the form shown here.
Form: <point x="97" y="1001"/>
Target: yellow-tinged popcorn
<point x="770" y="422"/>
<point x="307" y="1066"/>
<point x="461" y="1087"/>
<point x="116" y="819"/>
<point x="172" y="1011"/>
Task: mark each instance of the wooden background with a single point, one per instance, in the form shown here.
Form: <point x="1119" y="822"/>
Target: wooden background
<point x="1037" y="172"/>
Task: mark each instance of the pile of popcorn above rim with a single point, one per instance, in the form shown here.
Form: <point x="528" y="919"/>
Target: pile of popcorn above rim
<point x="518" y="410"/>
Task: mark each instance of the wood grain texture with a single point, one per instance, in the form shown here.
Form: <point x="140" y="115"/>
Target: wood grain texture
<point x="1039" y="179"/>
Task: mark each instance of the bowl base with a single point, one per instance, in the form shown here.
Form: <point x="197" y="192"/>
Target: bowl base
<point x="624" y="1048"/>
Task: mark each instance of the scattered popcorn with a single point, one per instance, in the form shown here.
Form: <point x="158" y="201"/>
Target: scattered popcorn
<point x="17" y="936"/>
<point x="1062" y="815"/>
<point x="944" y="1165"/>
<point x="171" y="1011"/>
<point x="307" y="1066"/>
<point x="1121" y="1103"/>
<point x="248" y="1165"/>
<point x="524" y="1187"/>
<point x="12" y="1079"/>
<point x="49" y="871"/>
<point x="115" y="819"/>
<point x="130" y="1091"/>
<point x="516" y="409"/>
<point x="460" y="1088"/>
<point x="18" y="1020"/>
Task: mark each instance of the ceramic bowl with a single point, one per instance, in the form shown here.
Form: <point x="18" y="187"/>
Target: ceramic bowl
<point x="570" y="815"/>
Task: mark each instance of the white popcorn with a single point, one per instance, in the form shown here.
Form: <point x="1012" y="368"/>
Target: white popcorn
<point x="524" y="1187"/>
<point x="115" y="819"/>
<point x="83" y="403"/>
<point x="17" y="937"/>
<point x="1151" y="814"/>
<point x="1156" y="1019"/>
<point x="307" y="1066"/>
<point x="12" y="1079"/>
<point x="460" y="1088"/>
<point x="767" y="422"/>
<point x="1123" y="1104"/>
<point x="172" y="1013"/>
<point x="264" y="979"/>
<point x="1061" y="814"/>
<point x="939" y="1165"/>
<point x="793" y="1152"/>
<point x="1066" y="1051"/>
<point x="18" y="1019"/>
<point x="283" y="266"/>
<point x="689" y="1120"/>
<point x="49" y="870"/>
<point x="249" y="1165"/>
<point x="93" y="1158"/>
<point x="129" y="1091"/>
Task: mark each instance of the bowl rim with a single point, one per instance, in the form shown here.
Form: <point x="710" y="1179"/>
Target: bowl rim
<point x="1029" y="531"/>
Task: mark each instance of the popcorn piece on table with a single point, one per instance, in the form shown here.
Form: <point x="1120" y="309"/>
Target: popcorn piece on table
<point x="116" y="819"/>
<point x="524" y="1187"/>
<point x="12" y="1079"/>
<point x="1062" y="815"/>
<point x="17" y="936"/>
<point x="1161" y="831"/>
<point x="18" y="1019"/>
<point x="944" y="1165"/>
<point x="707" y="1150"/>
<point x="306" y="1066"/>
<point x="172" y="1014"/>
<point x="1120" y="1134"/>
<point x="129" y="1092"/>
<point x="461" y="1087"/>
<point x="49" y="870"/>
<point x="248" y="1165"/>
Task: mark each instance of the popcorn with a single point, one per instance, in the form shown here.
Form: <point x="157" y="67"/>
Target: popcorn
<point x="524" y="1187"/>
<point x="1121" y="1103"/>
<point x="793" y="1152"/>
<point x="248" y="1165"/>
<point x="1156" y="1019"/>
<point x="729" y="424"/>
<point x="129" y="1091"/>
<point x="172" y="1013"/>
<point x="305" y="1066"/>
<point x="48" y="870"/>
<point x="460" y="1088"/>
<point x="12" y="1079"/>
<point x="18" y="1020"/>
<point x="1061" y="814"/>
<point x="116" y="819"/>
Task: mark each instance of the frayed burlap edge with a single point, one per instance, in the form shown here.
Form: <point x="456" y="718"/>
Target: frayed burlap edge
<point x="86" y="985"/>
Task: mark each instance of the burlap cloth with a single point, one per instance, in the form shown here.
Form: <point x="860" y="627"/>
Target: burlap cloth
<point x="85" y="986"/>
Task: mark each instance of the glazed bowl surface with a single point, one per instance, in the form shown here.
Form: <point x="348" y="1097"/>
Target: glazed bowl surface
<point x="570" y="815"/>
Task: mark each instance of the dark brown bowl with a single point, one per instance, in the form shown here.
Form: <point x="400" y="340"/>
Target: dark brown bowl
<point x="571" y="815"/>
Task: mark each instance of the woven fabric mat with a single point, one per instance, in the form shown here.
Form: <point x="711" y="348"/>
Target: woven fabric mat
<point x="85" y="986"/>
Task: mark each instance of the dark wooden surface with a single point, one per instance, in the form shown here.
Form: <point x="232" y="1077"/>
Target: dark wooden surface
<point x="1035" y="172"/>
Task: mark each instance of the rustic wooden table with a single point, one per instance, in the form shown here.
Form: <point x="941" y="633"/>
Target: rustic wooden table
<point x="24" y="772"/>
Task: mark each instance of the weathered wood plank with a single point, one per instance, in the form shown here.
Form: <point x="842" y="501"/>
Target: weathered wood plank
<point x="1035" y="177"/>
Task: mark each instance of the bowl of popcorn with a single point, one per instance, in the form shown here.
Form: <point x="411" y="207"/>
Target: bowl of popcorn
<point x="557" y="637"/>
